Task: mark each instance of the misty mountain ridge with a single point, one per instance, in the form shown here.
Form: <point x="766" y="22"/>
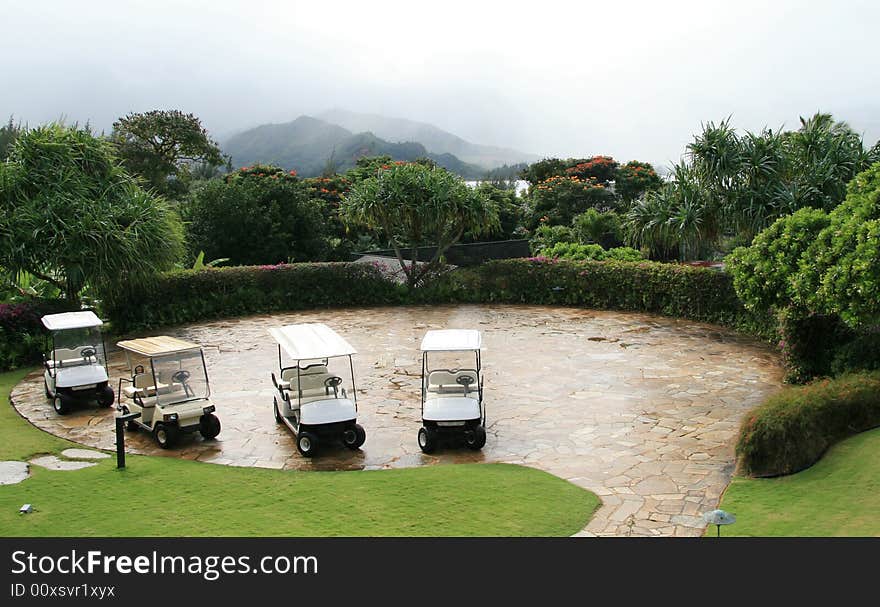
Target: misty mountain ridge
<point x="435" y="139"/>
<point x="312" y="145"/>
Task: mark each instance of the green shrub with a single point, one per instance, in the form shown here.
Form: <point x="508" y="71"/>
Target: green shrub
<point x="603" y="229"/>
<point x="590" y="252"/>
<point x="546" y="236"/>
<point x="22" y="337"/>
<point x="192" y="295"/>
<point x="793" y="428"/>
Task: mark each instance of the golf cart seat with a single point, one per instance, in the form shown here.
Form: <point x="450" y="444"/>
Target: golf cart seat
<point x="143" y="386"/>
<point x="446" y="382"/>
<point x="66" y="357"/>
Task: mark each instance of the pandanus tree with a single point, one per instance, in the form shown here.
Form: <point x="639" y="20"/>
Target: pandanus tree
<point x="411" y="205"/>
<point x="737" y="185"/>
<point x="72" y="216"/>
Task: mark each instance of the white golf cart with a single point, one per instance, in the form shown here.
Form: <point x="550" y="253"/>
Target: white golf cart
<point x="76" y="368"/>
<point x="311" y="399"/>
<point x="169" y="388"/>
<point x="452" y="397"/>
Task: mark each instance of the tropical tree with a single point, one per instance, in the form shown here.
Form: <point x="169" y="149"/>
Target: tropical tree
<point x="70" y="215"/>
<point x="162" y="145"/>
<point x="257" y="215"/>
<point x="633" y="179"/>
<point x="412" y="205"/>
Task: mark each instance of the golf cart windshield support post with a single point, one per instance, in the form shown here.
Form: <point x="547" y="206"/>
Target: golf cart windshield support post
<point x="280" y="364"/>
<point x="424" y="370"/>
<point x="299" y="390"/>
<point x="155" y="381"/>
<point x="205" y="369"/>
<point x="353" y="386"/>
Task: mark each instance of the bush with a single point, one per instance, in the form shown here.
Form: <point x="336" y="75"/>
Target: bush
<point x="256" y="215"/>
<point x="21" y="333"/>
<point x="192" y="295"/>
<point x="601" y="228"/>
<point x="590" y="252"/>
<point x="547" y="236"/>
<point x="793" y="428"/>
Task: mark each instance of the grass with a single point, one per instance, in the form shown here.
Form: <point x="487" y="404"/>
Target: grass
<point x="838" y="496"/>
<point x="169" y="497"/>
<point x="18" y="439"/>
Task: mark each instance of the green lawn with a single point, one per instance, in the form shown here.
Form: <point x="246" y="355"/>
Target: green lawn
<point x="167" y="497"/>
<point x="838" y="496"/>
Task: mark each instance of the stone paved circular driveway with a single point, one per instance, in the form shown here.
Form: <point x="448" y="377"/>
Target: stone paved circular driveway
<point x="643" y="410"/>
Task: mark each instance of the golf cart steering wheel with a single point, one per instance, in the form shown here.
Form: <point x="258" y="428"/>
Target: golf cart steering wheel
<point x="88" y="352"/>
<point x="464" y="381"/>
<point x="332" y="383"/>
<point x="181" y="376"/>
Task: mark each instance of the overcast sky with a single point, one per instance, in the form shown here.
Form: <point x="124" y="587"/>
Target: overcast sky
<point x="632" y="79"/>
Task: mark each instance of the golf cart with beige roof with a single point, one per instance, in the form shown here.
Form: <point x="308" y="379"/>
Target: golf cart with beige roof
<point x="312" y="400"/>
<point x="452" y="396"/>
<point x="169" y="388"/>
<point x="75" y="369"/>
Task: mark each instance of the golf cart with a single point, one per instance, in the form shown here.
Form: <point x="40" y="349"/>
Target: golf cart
<point x="452" y="398"/>
<point x="76" y="369"/>
<point x="169" y="388"/>
<point x="311" y="399"/>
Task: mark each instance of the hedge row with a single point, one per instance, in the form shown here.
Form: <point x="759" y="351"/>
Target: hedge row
<point x="792" y="429"/>
<point x="193" y="295"/>
<point x="669" y="289"/>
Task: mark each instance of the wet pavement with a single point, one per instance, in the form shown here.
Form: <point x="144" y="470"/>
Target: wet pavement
<point x="643" y="410"/>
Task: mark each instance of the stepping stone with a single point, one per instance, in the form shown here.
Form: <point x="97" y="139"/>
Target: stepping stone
<point x="83" y="454"/>
<point x="51" y="462"/>
<point x="12" y="472"/>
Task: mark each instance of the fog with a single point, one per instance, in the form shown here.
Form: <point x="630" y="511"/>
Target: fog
<point x="633" y="79"/>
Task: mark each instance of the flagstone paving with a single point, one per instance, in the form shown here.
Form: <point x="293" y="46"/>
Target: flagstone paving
<point x="641" y="409"/>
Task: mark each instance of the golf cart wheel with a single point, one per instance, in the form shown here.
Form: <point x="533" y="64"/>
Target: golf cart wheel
<point x="166" y="436"/>
<point x="307" y="443"/>
<point x="475" y="439"/>
<point x="276" y="411"/>
<point x="61" y="403"/>
<point x="427" y="440"/>
<point x="354" y="436"/>
<point x="209" y="426"/>
<point x="106" y="397"/>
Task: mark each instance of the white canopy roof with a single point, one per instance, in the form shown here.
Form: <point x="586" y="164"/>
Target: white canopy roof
<point x="71" y="320"/>
<point x="452" y="340"/>
<point x="157" y="346"/>
<point x="310" y="341"/>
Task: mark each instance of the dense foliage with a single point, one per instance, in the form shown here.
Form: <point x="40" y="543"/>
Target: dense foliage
<point x="821" y="273"/>
<point x="256" y="215"/>
<point x="792" y="429"/>
<point x="735" y="185"/>
<point x="22" y="338"/>
<point x="70" y="215"/>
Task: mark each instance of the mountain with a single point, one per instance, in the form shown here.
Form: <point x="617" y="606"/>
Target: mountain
<point x="310" y="146"/>
<point x="436" y="140"/>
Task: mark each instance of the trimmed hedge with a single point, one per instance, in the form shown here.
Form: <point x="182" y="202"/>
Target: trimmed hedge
<point x="193" y="295"/>
<point x="21" y="333"/>
<point x="669" y="289"/>
<point x="792" y="429"/>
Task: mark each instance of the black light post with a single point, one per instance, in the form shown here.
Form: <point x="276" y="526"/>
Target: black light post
<point x="121" y="420"/>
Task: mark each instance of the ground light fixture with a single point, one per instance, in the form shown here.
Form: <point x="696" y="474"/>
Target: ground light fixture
<point x="718" y="518"/>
